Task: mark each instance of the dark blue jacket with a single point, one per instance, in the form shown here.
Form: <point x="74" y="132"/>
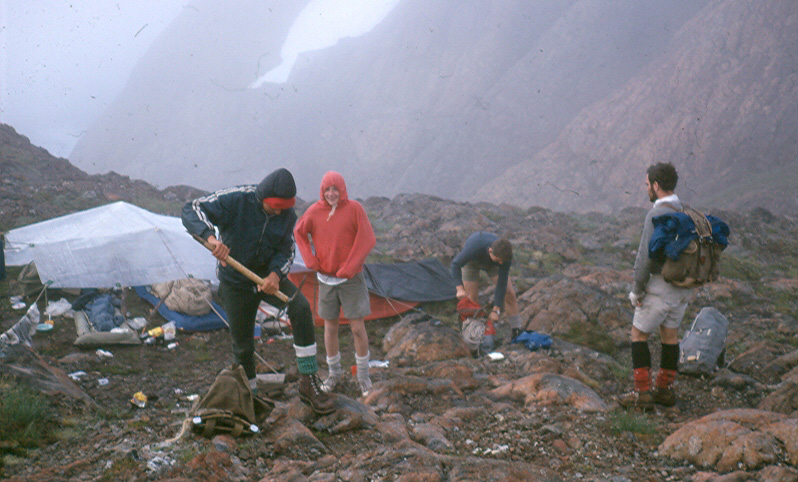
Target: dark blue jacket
<point x="674" y="231"/>
<point x="262" y="243"/>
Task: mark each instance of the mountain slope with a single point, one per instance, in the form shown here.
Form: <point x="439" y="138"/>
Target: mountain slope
<point x="438" y="98"/>
<point x="721" y="107"/>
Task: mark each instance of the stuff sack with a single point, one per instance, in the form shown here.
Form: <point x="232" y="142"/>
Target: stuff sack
<point x="473" y="319"/>
<point x="189" y="296"/>
<point x="703" y="348"/>
<point x="473" y="332"/>
<point x="230" y="407"/>
<point x="533" y="340"/>
<point x="692" y="251"/>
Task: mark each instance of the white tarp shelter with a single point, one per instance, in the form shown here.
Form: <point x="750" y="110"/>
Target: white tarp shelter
<point x="110" y="246"/>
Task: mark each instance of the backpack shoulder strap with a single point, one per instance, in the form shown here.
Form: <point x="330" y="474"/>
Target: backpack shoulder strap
<point x="669" y="205"/>
<point x="702" y="225"/>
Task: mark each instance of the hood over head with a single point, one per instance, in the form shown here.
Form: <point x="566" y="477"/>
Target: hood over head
<point x="278" y="189"/>
<point x="332" y="178"/>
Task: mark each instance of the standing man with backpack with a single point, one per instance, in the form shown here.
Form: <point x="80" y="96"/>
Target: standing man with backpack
<point x="335" y="237"/>
<point x="657" y="303"/>
<point x="255" y="225"/>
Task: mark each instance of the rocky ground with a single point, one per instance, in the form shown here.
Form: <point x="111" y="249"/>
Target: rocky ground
<point x="436" y="412"/>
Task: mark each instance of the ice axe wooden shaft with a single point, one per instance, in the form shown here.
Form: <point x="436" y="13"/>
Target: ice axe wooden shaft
<point x="242" y="269"/>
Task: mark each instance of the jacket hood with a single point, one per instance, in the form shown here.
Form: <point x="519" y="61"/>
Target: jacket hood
<point x="332" y="178"/>
<point x="279" y="183"/>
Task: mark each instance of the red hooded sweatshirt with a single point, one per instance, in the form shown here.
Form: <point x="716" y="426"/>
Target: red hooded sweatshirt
<point x="342" y="237"/>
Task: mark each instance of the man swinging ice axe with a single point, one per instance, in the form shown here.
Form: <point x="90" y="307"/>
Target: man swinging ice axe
<point x="255" y="225"/>
<point x="218" y="250"/>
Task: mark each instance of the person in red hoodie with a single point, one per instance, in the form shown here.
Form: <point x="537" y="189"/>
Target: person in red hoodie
<point x="334" y="237"/>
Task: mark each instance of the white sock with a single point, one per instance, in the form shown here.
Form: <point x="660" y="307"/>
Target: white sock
<point x="334" y="364"/>
<point x="362" y="365"/>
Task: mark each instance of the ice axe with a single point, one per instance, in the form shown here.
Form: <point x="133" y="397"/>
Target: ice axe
<point x="242" y="269"/>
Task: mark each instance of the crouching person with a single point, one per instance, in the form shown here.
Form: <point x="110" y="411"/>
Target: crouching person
<point x="334" y="236"/>
<point x="255" y="225"/>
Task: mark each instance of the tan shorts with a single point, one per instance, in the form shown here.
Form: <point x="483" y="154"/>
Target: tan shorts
<point x="663" y="305"/>
<point x="471" y="271"/>
<point x="351" y="295"/>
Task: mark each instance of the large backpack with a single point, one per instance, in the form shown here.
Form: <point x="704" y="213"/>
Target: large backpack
<point x="699" y="262"/>
<point x="229" y="406"/>
<point x="703" y="348"/>
<point x="189" y="296"/>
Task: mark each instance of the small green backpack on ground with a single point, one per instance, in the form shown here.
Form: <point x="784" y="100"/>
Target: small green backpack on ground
<point x="230" y="407"/>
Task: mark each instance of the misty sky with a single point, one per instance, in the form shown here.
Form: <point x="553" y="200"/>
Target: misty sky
<point x="62" y="63"/>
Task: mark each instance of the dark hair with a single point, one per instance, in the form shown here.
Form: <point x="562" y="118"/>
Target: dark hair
<point x="503" y="250"/>
<point x="664" y="174"/>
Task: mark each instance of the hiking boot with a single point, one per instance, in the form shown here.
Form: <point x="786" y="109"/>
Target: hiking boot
<point x="641" y="401"/>
<point x="331" y="382"/>
<point x="365" y="385"/>
<point x="311" y="393"/>
<point x="664" y="396"/>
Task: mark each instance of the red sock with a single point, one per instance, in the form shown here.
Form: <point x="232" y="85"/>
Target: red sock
<point x="642" y="378"/>
<point x="665" y="377"/>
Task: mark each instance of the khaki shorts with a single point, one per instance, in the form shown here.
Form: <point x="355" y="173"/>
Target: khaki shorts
<point x="471" y="271"/>
<point x="352" y="295"/>
<point x="663" y="305"/>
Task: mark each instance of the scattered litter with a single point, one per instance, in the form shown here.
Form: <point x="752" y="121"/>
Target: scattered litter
<point x="172" y="345"/>
<point x="102" y="353"/>
<point x="139" y="399"/>
<point x="167" y="331"/>
<point x="17" y="303"/>
<point x="46" y="326"/>
<point x="23" y="330"/>
<point x="120" y="329"/>
<point x="103" y="381"/>
<point x="495" y="356"/>
<point x="76" y="375"/>
<point x="58" y="308"/>
<point x="178" y="391"/>
<point x="193" y="397"/>
<point x="277" y="378"/>
<point x="379" y="363"/>
<point x="137" y="323"/>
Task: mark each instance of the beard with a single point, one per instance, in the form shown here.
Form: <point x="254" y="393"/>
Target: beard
<point x="652" y="196"/>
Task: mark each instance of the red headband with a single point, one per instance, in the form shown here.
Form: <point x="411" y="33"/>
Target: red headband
<point x="280" y="202"/>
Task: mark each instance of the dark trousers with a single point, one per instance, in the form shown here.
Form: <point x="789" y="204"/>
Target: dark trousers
<point x="241" y="305"/>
